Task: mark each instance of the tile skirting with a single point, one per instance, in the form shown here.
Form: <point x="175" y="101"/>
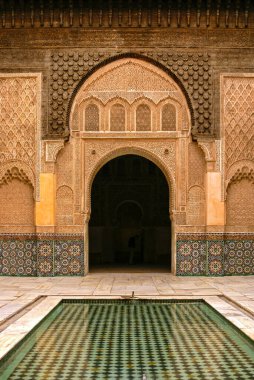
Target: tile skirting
<point x="41" y="255"/>
<point x="214" y="254"/>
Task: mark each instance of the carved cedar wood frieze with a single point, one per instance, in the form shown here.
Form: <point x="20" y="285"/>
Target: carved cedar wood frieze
<point x="191" y="71"/>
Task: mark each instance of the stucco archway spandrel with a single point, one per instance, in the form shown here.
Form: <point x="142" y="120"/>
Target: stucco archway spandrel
<point x="130" y="79"/>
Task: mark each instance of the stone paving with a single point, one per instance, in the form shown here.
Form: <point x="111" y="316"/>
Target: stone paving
<point x="231" y="296"/>
<point x="15" y="291"/>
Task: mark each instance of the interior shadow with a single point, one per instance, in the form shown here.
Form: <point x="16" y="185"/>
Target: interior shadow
<point x="130" y="229"/>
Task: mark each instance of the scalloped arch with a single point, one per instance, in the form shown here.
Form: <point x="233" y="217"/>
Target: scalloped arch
<point x="17" y="170"/>
<point x="239" y="170"/>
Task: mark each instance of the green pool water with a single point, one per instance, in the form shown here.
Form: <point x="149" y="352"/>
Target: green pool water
<point x="101" y="339"/>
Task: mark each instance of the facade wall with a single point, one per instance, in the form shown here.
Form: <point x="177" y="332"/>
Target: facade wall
<point x="51" y="147"/>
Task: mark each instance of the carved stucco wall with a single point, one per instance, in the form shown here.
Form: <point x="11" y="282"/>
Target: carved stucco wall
<point x="238" y="119"/>
<point x="64" y="186"/>
<point x="196" y="206"/>
<point x="64" y="206"/>
<point x="131" y="83"/>
<point x="196" y="185"/>
<point x="20" y="104"/>
<point x="237" y="100"/>
<point x="197" y="165"/>
<point x="16" y="203"/>
<point x="191" y="71"/>
<point x="139" y="87"/>
<point x="240" y="204"/>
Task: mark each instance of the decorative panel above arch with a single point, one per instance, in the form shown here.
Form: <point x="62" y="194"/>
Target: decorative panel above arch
<point x="187" y="70"/>
<point x="130" y="79"/>
<point x="133" y="81"/>
<point x="92" y="118"/>
<point x="143" y="118"/>
<point x="117" y="117"/>
<point x="168" y="117"/>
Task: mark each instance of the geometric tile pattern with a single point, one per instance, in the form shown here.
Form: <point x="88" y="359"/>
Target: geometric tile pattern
<point x="41" y="255"/>
<point x="191" y="257"/>
<point x="60" y="255"/>
<point x="215" y="254"/>
<point x="215" y="257"/>
<point x="133" y="340"/>
<point x="68" y="257"/>
<point x="18" y="256"/>
<point x="45" y="257"/>
<point x="239" y="257"/>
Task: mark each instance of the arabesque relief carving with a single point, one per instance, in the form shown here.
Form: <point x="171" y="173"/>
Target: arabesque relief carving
<point x="65" y="166"/>
<point x="196" y="165"/>
<point x="15" y="173"/>
<point x="209" y="150"/>
<point x="196" y="206"/>
<point x="109" y="105"/>
<point x="191" y="70"/>
<point x="239" y="201"/>
<point x="16" y="200"/>
<point x="20" y="104"/>
<point x="53" y="147"/>
<point x="240" y="170"/>
<point x="64" y="206"/>
<point x="237" y="117"/>
<point x="16" y="169"/>
<point x="237" y="101"/>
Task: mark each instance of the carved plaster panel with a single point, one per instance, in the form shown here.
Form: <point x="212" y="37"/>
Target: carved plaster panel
<point x="239" y="202"/>
<point x="14" y="173"/>
<point x="219" y="158"/>
<point x="191" y="71"/>
<point x="237" y="98"/>
<point x="20" y="119"/>
<point x="78" y="170"/>
<point x="16" y="169"/>
<point x="240" y="170"/>
<point x="129" y="84"/>
<point x="182" y="171"/>
<point x="196" y="165"/>
<point x="52" y="148"/>
<point x="237" y="104"/>
<point x="209" y="149"/>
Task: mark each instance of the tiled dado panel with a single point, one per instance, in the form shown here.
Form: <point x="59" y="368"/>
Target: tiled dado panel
<point x="239" y="255"/>
<point x="41" y="255"/>
<point x="18" y="255"/>
<point x="215" y="254"/>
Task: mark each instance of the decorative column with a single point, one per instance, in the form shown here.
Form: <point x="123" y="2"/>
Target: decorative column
<point x="215" y="207"/>
<point x="87" y="215"/>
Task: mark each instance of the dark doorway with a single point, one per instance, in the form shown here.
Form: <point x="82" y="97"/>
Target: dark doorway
<point x="130" y="229"/>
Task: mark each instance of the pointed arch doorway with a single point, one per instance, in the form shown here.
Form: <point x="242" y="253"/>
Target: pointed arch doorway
<point x="130" y="228"/>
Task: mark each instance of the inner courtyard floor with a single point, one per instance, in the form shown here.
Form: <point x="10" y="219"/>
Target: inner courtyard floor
<point x="24" y="302"/>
